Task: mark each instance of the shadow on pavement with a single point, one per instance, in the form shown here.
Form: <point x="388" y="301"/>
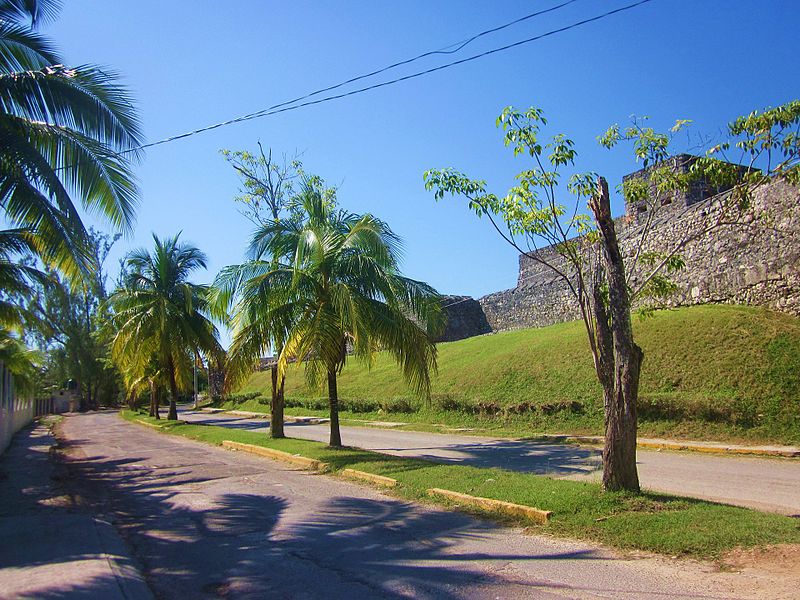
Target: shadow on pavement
<point x="526" y="456"/>
<point x="513" y="455"/>
<point x="259" y="544"/>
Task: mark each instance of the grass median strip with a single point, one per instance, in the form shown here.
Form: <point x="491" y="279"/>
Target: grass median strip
<point x="650" y="522"/>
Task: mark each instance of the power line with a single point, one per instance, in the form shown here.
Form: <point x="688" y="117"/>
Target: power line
<point x="458" y="47"/>
<point x="284" y="106"/>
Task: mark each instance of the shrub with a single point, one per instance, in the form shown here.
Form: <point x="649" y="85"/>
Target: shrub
<point x="399" y="404"/>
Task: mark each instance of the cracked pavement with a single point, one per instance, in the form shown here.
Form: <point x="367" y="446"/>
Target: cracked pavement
<point x="206" y="522"/>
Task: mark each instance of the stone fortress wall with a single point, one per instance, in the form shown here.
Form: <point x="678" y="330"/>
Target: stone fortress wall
<point x="757" y="262"/>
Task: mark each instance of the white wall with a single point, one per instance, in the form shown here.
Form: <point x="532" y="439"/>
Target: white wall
<point x="15" y="412"/>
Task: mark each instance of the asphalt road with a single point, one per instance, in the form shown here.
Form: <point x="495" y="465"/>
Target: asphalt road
<point x="763" y="483"/>
<point x="204" y="522"/>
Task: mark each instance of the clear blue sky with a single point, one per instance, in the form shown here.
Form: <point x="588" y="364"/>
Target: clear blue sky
<point x="191" y="63"/>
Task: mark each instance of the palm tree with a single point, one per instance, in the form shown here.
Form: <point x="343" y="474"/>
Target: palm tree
<point x="23" y="363"/>
<point x="327" y="285"/>
<point x="160" y="316"/>
<point x="65" y="133"/>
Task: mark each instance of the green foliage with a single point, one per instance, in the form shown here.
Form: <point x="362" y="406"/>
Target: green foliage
<point x="23" y="362"/>
<point x="160" y="319"/>
<point x="322" y="282"/>
<point x="69" y="134"/>
<point x="68" y="325"/>
<point x="267" y="186"/>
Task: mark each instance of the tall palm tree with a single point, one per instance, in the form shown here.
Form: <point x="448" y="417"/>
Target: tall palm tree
<point x="327" y="285"/>
<point x="67" y="138"/>
<point x="161" y="316"/>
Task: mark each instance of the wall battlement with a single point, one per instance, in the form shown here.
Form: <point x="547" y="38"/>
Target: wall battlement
<point x="756" y="262"/>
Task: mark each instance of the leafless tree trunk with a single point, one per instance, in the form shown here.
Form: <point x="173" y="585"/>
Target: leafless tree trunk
<point x="620" y="359"/>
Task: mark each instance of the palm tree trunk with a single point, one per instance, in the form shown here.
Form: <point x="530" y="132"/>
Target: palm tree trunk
<point x="276" y="408"/>
<point x="172" y="415"/>
<point x="333" y="400"/>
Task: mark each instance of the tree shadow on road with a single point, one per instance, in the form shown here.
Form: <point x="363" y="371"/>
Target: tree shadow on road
<point x="194" y="543"/>
<point x="182" y="509"/>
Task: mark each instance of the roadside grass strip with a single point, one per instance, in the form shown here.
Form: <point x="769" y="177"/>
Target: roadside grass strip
<point x="295" y="459"/>
<point x="369" y="477"/>
<point x="498" y="506"/>
<point x="649" y="522"/>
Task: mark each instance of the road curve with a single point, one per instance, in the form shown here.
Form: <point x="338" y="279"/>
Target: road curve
<point x="769" y="484"/>
<point x="206" y="522"/>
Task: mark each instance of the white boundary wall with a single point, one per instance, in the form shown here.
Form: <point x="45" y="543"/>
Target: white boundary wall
<point x="15" y="412"/>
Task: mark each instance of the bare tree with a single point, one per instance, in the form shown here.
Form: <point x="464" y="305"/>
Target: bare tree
<point x="605" y="282"/>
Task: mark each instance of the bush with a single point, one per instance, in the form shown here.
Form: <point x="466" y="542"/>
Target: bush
<point x="452" y="403"/>
<point x="359" y="405"/>
<point x="400" y="404"/>
<point x="730" y="410"/>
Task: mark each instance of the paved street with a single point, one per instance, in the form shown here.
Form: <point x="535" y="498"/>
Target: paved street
<point x="206" y="522"/>
<point x="763" y="483"/>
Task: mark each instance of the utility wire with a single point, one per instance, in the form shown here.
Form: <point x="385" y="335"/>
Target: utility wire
<point x="284" y="106"/>
<point x="458" y="47"/>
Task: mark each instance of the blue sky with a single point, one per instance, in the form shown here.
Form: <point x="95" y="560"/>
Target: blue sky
<point x="194" y="63"/>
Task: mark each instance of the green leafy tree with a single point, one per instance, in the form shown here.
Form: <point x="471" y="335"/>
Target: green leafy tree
<point x="327" y="285"/>
<point x="68" y="326"/>
<point x="605" y="283"/>
<point x="160" y="317"/>
<point x="67" y="135"/>
<point x="267" y="195"/>
<point x="21" y="361"/>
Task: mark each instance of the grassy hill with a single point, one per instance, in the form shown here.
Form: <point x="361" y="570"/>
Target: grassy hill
<point x="719" y="372"/>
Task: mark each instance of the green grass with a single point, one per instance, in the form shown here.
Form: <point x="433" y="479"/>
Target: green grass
<point x="714" y="372"/>
<point x="650" y="522"/>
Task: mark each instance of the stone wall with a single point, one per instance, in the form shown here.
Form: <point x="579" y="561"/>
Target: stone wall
<point x="757" y="262"/>
<point x="465" y="318"/>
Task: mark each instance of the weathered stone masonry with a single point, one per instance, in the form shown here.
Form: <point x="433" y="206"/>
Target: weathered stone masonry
<point x="756" y="263"/>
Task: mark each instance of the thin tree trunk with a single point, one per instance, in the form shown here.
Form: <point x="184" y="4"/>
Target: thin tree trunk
<point x="152" y="398"/>
<point x="276" y="408"/>
<point x="172" y="415"/>
<point x="619" y="451"/>
<point x="158" y="403"/>
<point x="333" y="400"/>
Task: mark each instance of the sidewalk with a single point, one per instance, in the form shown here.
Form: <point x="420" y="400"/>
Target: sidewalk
<point x="49" y="546"/>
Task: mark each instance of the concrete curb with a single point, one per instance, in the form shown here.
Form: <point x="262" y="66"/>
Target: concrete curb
<point x="507" y="508"/>
<point x="690" y="446"/>
<point x="145" y="423"/>
<point x="370" y="477"/>
<point x="126" y="570"/>
<point x="713" y="449"/>
<point x="310" y="464"/>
